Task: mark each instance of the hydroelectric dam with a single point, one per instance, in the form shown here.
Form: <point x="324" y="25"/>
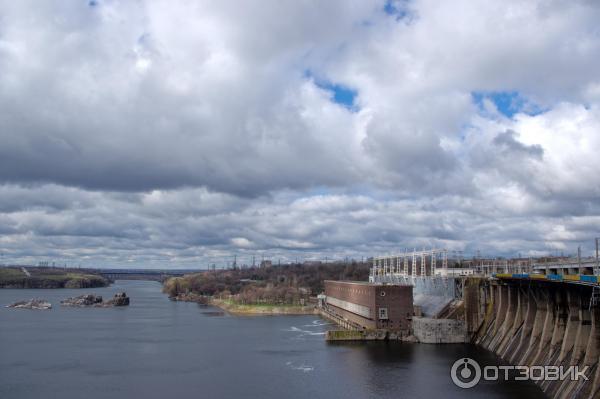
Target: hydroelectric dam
<point x="528" y="313"/>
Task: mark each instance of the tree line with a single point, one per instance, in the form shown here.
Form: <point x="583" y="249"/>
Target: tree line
<point x="287" y="284"/>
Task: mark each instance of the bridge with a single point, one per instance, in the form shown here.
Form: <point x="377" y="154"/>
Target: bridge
<point x="587" y="266"/>
<point x="143" y="274"/>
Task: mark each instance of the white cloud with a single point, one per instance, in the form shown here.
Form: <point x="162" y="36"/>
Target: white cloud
<point x="166" y="131"/>
<point x="242" y="242"/>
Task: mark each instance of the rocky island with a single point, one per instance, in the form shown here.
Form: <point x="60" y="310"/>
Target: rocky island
<point x="91" y="300"/>
<point x="39" y="304"/>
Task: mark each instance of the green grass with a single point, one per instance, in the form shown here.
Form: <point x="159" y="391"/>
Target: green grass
<point x="11" y="276"/>
<point x="43" y="278"/>
<point x="6" y="272"/>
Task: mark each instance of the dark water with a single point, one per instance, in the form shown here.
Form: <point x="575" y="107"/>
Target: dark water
<point x="161" y="349"/>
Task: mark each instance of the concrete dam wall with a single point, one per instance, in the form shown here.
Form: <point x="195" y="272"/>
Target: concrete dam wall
<point x="436" y="331"/>
<point x="538" y="323"/>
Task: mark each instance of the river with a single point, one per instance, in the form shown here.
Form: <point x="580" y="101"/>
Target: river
<point x="156" y="348"/>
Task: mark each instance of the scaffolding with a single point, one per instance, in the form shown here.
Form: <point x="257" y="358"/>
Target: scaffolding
<point x="407" y="265"/>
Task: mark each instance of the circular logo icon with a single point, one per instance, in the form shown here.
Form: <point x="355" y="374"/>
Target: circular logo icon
<point x="465" y="373"/>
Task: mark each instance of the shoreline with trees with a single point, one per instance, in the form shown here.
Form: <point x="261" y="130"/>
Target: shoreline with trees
<point x="271" y="290"/>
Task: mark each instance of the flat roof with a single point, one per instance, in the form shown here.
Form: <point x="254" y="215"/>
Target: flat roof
<point x="368" y="283"/>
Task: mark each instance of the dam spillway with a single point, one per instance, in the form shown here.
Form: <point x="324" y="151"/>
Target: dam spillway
<point x="538" y="322"/>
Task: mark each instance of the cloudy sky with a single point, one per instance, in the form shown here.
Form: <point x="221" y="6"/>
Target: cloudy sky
<point x="179" y="133"/>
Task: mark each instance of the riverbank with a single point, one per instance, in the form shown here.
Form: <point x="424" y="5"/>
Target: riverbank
<point x="33" y="277"/>
<point x="190" y="297"/>
<point x="262" y="309"/>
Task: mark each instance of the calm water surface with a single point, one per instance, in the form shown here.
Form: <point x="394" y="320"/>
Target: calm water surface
<point x="156" y="348"/>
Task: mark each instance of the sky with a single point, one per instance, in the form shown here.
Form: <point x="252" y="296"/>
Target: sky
<point x="183" y="133"/>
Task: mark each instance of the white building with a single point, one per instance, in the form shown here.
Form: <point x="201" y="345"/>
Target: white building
<point x="454" y="272"/>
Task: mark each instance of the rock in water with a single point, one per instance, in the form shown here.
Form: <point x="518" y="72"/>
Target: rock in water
<point x="120" y="299"/>
<point x="40" y="304"/>
<point x="82" y="300"/>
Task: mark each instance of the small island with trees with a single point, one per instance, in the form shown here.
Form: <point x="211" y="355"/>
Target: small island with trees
<point x="49" y="277"/>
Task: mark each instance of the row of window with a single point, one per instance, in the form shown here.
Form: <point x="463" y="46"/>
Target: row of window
<point x="352" y="290"/>
<point x="355" y="290"/>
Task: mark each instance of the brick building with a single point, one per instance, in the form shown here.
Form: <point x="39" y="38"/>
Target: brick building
<point x="372" y="306"/>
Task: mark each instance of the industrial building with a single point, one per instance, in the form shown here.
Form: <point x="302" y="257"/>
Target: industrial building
<point x="371" y="306"/>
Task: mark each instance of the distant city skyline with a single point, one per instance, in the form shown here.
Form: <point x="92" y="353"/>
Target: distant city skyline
<point x="180" y="134"/>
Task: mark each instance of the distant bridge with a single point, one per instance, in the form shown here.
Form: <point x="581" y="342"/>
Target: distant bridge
<point x="143" y="274"/>
<point x="569" y="266"/>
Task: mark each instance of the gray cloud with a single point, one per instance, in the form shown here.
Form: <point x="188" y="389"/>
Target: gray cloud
<point x="161" y="132"/>
<point x="508" y="142"/>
